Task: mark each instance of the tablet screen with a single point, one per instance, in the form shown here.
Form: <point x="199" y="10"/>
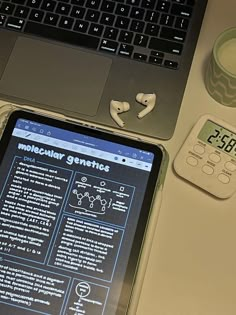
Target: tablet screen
<point x="74" y="206"/>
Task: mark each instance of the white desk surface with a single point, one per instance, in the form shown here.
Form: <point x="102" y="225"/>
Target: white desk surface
<point x="192" y="264"/>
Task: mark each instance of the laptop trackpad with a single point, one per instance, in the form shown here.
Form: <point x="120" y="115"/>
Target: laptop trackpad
<point x="54" y="75"/>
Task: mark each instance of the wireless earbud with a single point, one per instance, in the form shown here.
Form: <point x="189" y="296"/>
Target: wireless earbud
<point x="116" y="108"/>
<point x="148" y="100"/>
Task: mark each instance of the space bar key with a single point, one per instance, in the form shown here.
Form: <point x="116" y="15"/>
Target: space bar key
<point x="59" y="34"/>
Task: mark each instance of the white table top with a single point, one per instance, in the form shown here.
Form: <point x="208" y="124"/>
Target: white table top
<point x="192" y="264"/>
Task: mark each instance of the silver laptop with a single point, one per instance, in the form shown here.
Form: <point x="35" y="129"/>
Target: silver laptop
<point x="75" y="56"/>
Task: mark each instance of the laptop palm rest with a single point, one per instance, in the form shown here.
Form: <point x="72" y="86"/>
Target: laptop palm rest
<point x="37" y="72"/>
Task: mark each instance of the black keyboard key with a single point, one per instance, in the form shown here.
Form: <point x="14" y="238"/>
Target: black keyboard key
<point x="77" y="12"/>
<point x="34" y="3"/>
<point x="165" y="46"/>
<point x="172" y="34"/>
<point x="122" y="9"/>
<point x="93" y="4"/>
<point x="108" y="6"/>
<point x="122" y="22"/>
<point x="36" y="15"/>
<point x="63" y="8"/>
<point x="133" y="2"/>
<point x="49" y="5"/>
<point x="107" y="19"/>
<point x="111" y="33"/>
<point x="155" y="60"/>
<point x="148" y="4"/>
<point x="92" y="16"/>
<point x="7" y="8"/>
<point x="171" y="64"/>
<point x="2" y="19"/>
<point x="73" y="38"/>
<point x="167" y="19"/>
<point x="21" y="12"/>
<point x="140" y="40"/>
<point x="182" y="23"/>
<point x="109" y="46"/>
<point x="66" y="22"/>
<point x="137" y="13"/>
<point x="152" y="16"/>
<point x="78" y="2"/>
<point x="179" y="1"/>
<point x="15" y="23"/>
<point x="163" y="6"/>
<point x="191" y="2"/>
<point x="81" y="26"/>
<point x="126" y="37"/>
<point x="126" y="50"/>
<point x="157" y="54"/>
<point x="152" y="29"/>
<point x="137" y="26"/>
<point x="182" y="10"/>
<point x="96" y="29"/>
<point x="51" y="18"/>
<point x="141" y="57"/>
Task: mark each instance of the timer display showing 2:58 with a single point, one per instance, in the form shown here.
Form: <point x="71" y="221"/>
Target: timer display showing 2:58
<point x="218" y="137"/>
<point x="227" y="143"/>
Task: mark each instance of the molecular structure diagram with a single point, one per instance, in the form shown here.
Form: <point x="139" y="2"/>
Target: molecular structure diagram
<point x="92" y="200"/>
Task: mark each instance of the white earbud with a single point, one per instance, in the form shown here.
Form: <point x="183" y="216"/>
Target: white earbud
<point x="148" y="100"/>
<point x="116" y="108"/>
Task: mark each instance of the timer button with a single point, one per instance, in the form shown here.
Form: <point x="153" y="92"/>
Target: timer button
<point x="230" y="166"/>
<point x="192" y="161"/>
<point x="207" y="169"/>
<point x="199" y="149"/>
<point x="224" y="178"/>
<point x="214" y="158"/>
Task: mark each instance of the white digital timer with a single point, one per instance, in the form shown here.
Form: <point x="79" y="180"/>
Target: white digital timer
<point x="208" y="157"/>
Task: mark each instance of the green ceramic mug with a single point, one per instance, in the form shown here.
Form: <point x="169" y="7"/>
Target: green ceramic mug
<point x="220" y="76"/>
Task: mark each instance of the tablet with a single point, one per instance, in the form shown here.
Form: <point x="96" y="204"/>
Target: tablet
<point x="75" y="204"/>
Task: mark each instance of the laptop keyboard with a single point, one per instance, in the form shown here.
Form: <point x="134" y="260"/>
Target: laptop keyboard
<point x="145" y="30"/>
